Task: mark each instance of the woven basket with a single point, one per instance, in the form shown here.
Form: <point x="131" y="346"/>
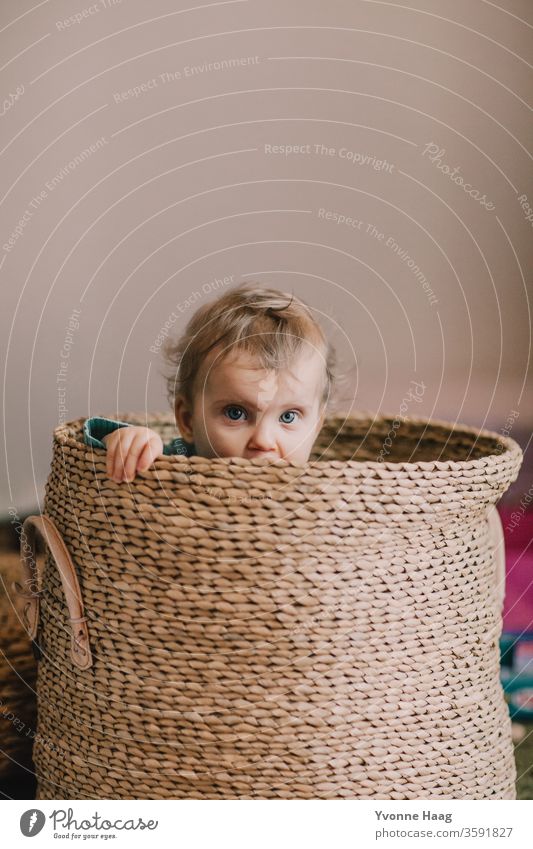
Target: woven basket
<point x="18" y="671"/>
<point x="237" y="629"/>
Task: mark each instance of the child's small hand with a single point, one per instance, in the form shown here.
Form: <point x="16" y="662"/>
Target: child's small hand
<point x="130" y="450"/>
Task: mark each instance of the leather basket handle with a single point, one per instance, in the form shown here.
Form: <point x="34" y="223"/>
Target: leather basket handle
<point x="43" y="528"/>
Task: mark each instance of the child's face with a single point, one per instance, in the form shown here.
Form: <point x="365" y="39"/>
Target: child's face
<point x="242" y="411"/>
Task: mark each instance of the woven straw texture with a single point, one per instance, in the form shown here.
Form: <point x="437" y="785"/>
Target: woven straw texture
<point x="18" y="671"/>
<point x="267" y="630"/>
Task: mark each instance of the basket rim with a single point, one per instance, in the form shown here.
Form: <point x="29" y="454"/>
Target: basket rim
<point x="509" y="455"/>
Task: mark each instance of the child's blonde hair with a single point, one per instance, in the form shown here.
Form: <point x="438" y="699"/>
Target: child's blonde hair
<point x="266" y="323"/>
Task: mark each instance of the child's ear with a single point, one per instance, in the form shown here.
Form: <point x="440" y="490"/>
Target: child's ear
<point x="183" y="415"/>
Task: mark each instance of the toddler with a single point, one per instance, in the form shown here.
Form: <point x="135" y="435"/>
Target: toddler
<point x="251" y="377"/>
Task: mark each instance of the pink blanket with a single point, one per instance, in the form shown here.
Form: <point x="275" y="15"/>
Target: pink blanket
<point x="518" y="607"/>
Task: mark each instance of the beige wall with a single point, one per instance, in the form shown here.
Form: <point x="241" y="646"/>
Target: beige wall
<point x="181" y="190"/>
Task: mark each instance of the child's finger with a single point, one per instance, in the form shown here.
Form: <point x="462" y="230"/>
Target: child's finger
<point x="131" y="458"/>
<point x="116" y="444"/>
<point x="122" y="450"/>
<point x="152" y="449"/>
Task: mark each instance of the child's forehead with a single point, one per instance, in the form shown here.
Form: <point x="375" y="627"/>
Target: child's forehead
<point x="241" y="377"/>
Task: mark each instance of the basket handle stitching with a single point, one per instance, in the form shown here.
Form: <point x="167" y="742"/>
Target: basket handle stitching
<point x="44" y="528"/>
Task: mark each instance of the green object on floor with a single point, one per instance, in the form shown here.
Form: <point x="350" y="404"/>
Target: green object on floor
<point x="524" y="764"/>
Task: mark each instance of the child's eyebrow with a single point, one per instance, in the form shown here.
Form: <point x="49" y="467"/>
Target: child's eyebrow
<point x="237" y="399"/>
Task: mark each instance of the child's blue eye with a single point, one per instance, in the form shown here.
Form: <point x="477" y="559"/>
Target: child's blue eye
<point x="228" y="411"/>
<point x="288" y="413"/>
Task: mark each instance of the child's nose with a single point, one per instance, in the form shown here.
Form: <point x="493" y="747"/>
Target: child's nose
<point x="262" y="438"/>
